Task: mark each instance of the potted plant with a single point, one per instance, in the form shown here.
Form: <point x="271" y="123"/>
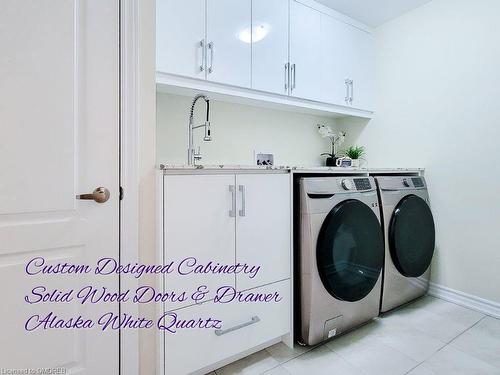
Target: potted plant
<point x="336" y="139"/>
<point x="356" y="153"/>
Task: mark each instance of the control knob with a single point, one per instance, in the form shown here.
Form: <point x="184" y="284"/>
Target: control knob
<point x="347" y="184"/>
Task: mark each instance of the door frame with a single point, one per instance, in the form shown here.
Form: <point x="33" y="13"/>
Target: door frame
<point x="129" y="171"/>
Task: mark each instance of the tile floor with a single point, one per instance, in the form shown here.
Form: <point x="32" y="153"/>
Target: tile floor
<point x="427" y="337"/>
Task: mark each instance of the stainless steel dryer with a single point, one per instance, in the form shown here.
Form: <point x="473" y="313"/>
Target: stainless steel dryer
<point x="341" y="255"/>
<point x="409" y="239"/>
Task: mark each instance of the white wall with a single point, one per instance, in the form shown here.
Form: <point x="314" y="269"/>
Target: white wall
<point x="438" y="78"/>
<point x="237" y="131"/>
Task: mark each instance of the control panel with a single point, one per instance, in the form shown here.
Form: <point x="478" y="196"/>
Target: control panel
<point x="362" y="184"/>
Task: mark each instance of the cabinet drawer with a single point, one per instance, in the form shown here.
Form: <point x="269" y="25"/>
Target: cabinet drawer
<point x="244" y="326"/>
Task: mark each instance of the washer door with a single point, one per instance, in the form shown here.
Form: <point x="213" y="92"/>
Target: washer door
<point x="412" y="236"/>
<point x="350" y="251"/>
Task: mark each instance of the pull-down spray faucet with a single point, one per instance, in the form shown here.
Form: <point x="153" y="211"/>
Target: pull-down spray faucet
<point x="194" y="156"/>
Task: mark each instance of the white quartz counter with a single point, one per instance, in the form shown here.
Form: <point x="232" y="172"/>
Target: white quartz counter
<point x="187" y="169"/>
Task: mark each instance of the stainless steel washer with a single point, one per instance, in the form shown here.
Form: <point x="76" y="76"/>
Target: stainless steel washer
<point x="341" y="255"/>
<point x="409" y="239"/>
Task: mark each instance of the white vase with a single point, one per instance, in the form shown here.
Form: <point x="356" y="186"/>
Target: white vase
<point x="355" y="163"/>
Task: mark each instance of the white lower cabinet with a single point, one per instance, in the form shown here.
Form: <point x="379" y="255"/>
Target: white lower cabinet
<point x="263" y="227"/>
<point x="241" y="218"/>
<point x="195" y="350"/>
<point x="198" y="227"/>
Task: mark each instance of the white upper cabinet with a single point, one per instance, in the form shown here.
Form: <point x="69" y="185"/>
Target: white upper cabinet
<point x="362" y="72"/>
<point x="229" y="48"/>
<point x="346" y="64"/>
<point x="180" y="37"/>
<point x="335" y="66"/>
<point x="270" y="66"/>
<point x="296" y="48"/>
<point x="305" y="52"/>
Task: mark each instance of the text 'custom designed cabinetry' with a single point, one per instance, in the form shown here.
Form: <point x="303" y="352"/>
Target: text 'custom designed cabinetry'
<point x="293" y="48"/>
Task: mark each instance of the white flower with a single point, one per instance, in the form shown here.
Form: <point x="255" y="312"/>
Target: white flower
<point x="325" y="131"/>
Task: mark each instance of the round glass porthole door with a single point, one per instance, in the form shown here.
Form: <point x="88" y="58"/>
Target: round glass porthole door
<point x="350" y="251"/>
<point x="412" y="236"/>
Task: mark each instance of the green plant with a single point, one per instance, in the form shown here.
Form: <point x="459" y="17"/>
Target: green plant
<point x="355" y="152"/>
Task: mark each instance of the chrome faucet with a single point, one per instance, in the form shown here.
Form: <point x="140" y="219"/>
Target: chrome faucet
<point x="194" y="156"/>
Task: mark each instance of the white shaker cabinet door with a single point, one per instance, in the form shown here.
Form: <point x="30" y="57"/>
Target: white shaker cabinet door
<point x="180" y="37"/>
<point x="305" y="52"/>
<point x="200" y="228"/>
<point x="263" y="227"/>
<point x="229" y="48"/>
<point x="270" y="68"/>
<point x="335" y="60"/>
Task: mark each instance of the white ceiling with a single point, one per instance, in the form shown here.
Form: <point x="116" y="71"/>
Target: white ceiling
<point x="373" y="12"/>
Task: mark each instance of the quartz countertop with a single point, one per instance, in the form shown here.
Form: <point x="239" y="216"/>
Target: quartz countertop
<point x="283" y="168"/>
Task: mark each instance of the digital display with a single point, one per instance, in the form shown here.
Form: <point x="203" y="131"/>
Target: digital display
<point x="362" y="184"/>
<point x="417" y="182"/>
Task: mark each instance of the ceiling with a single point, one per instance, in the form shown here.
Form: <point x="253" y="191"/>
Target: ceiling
<point x="373" y="12"/>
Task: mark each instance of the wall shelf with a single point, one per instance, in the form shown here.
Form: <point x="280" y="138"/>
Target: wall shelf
<point x="172" y="84"/>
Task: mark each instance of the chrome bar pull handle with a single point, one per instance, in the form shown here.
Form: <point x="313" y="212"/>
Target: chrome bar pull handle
<point x="287" y="76"/>
<point x="99" y="195"/>
<point x="211" y="48"/>
<point x="242" y="212"/>
<point x="293" y="76"/>
<point x="232" y="212"/>
<point x="220" y="332"/>
<point x="347" y="90"/>
<point x="202" y="46"/>
<point x="351" y="99"/>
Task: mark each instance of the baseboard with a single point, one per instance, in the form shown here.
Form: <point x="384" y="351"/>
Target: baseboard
<point x="466" y="300"/>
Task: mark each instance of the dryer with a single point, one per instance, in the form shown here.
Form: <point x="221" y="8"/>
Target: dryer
<point x="341" y="255"/>
<point x="409" y="233"/>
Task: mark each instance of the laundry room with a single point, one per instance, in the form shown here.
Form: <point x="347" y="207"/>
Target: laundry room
<point x="278" y="187"/>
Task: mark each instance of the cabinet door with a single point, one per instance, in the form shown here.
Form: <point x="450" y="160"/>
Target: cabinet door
<point x="270" y="45"/>
<point x="229" y="55"/>
<point x="305" y="51"/>
<point x="180" y="30"/>
<point x="362" y="60"/>
<point x="263" y="227"/>
<point x="198" y="225"/>
<point x="335" y="62"/>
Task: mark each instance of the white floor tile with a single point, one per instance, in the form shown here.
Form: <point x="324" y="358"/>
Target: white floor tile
<point x="356" y="339"/>
<point x="280" y="370"/>
<point x="451" y="361"/>
<point x="458" y="314"/>
<point x="482" y="341"/>
<point x="442" y="326"/>
<point x="422" y="370"/>
<point x="414" y="343"/>
<point x="376" y="358"/>
<point x="283" y="353"/>
<point x="254" y="364"/>
<point x="320" y="361"/>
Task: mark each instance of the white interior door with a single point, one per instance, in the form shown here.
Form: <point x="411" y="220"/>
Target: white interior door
<point x="59" y="129"/>
<point x="263" y="227"/>
<point x="229" y="52"/>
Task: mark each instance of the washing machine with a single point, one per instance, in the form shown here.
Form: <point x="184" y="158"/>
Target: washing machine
<point x="341" y="255"/>
<point x="409" y="239"/>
